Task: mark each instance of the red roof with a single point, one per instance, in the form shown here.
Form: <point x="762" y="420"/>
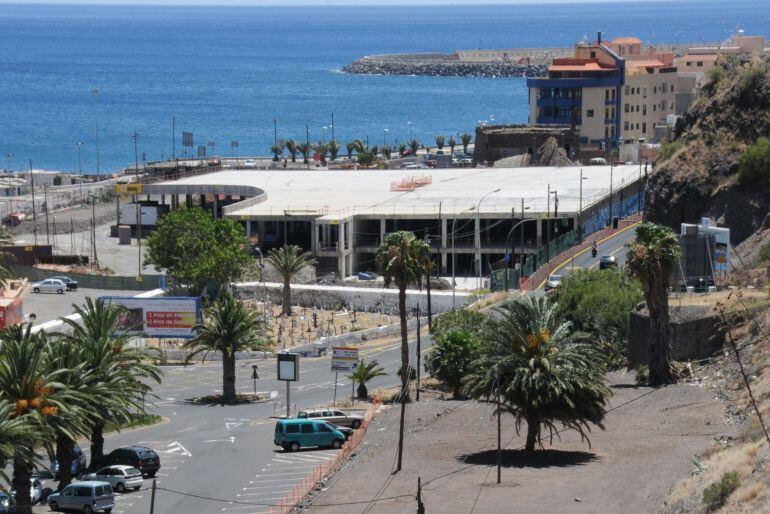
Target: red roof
<point x="626" y="41"/>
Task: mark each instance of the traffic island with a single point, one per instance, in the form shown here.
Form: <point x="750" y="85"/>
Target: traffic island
<point x="216" y="399"/>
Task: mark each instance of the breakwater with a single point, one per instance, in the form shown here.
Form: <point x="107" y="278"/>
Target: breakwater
<point x="431" y="65"/>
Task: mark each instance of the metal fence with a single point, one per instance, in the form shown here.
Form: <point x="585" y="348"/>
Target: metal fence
<point x="147" y="283"/>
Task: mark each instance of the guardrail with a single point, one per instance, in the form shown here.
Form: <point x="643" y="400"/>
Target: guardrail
<point x="321" y="471"/>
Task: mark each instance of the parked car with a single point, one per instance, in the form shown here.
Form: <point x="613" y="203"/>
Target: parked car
<point x="597" y="161"/>
<point x="214" y="161"/>
<point x="78" y="462"/>
<point x="346" y="431"/>
<point x="139" y="457"/>
<point x="293" y="434"/>
<point x="35" y="490"/>
<point x="607" y="261"/>
<point x="553" y="282"/>
<point x="334" y="417"/>
<point x="120" y="477"/>
<point x="249" y="163"/>
<point x="49" y="285"/>
<point x="89" y="496"/>
<point x="71" y="284"/>
<point x="466" y="161"/>
<point x="5" y="503"/>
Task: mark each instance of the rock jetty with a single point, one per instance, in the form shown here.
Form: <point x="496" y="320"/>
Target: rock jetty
<point x="432" y="66"/>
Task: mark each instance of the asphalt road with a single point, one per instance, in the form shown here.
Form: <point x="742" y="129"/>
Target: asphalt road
<point x="227" y="453"/>
<point x="51" y="306"/>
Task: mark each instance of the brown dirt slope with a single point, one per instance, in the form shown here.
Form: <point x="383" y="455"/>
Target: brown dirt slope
<point x="730" y="113"/>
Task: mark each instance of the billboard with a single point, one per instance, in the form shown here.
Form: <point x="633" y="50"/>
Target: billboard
<point x="344" y="358"/>
<point x="288" y="367"/>
<point x="158" y="317"/>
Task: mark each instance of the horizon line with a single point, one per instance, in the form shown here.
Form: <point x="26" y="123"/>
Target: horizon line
<point x="324" y="3"/>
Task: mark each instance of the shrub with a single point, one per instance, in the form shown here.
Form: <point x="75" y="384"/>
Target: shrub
<point x="751" y="86"/>
<point x="642" y="375"/>
<point x="755" y="162"/>
<point x="764" y="252"/>
<point x="462" y="320"/>
<point x="450" y="358"/>
<point x="715" y="496"/>
<point x="669" y="149"/>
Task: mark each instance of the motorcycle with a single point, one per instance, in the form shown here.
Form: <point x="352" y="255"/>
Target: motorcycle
<point x="593" y="252"/>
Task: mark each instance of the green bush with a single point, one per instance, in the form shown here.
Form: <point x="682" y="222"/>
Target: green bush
<point x="462" y="320"/>
<point x="751" y="86"/>
<point x="450" y="358"/>
<point x="715" y="496"/>
<point x="642" y="375"/>
<point x="755" y="162"/>
<point x="764" y="252"/>
<point x="599" y="302"/>
<point x="669" y="149"/>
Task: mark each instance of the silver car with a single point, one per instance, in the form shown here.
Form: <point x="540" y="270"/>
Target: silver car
<point x="49" y="285"/>
<point x="120" y="477"/>
<point x="87" y="497"/>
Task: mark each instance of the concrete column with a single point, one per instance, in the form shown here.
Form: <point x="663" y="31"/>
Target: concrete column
<point x="477" y="244"/>
<point x="382" y="230"/>
<point x="539" y="225"/>
<point x="261" y="232"/>
<point x="216" y="206"/>
<point x="351" y="246"/>
<point x="313" y="238"/>
<point x="163" y="199"/>
<point x="248" y="228"/>
<point x="188" y="200"/>
<point x="341" y="251"/>
<point x="444" y="241"/>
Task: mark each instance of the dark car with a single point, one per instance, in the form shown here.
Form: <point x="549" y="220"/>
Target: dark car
<point x="139" y="457"/>
<point x="71" y="284"/>
<point x="78" y="462"/>
<point x="607" y="261"/>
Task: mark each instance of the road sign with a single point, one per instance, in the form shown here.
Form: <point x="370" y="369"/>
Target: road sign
<point x="131" y="189"/>
<point x="288" y="367"/>
<point x="344" y="358"/>
<point x="187" y="139"/>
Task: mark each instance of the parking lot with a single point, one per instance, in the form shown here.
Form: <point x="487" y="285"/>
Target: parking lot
<point x="50" y="306"/>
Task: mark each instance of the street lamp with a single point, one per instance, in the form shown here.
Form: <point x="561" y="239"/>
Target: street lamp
<point x="135" y="135"/>
<point x="8" y="158"/>
<point x="478" y="217"/>
<point x="96" y="96"/>
<point x="409" y="124"/>
<point x="454" y="283"/>
<point x="323" y="136"/>
<point x="384" y="137"/>
<point x="580" y="208"/>
<point x="639" y="195"/>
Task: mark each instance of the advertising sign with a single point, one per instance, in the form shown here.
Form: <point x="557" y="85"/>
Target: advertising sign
<point x="288" y="367"/>
<point x="187" y="139"/>
<point x="158" y="317"/>
<point x="344" y="358"/>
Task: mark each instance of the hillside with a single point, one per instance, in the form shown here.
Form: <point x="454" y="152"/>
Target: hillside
<point x="699" y="177"/>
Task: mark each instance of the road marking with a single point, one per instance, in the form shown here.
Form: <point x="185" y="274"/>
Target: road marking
<point x="230" y="440"/>
<point x="232" y="425"/>
<point x="293" y="479"/>
<point x="260" y="475"/>
<point x="174" y="448"/>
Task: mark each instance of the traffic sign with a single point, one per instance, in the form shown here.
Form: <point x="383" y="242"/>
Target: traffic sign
<point x="344" y="358"/>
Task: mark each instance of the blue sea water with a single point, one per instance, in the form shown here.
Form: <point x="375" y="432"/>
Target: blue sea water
<point x="226" y="72"/>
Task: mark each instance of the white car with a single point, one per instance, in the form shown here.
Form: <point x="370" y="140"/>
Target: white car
<point x="49" y="285"/>
<point x="35" y="490"/>
<point x="249" y="163"/>
<point x="553" y="282"/>
<point x="120" y="477"/>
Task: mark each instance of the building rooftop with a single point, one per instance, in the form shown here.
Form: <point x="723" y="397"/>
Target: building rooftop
<point x="338" y="194"/>
<point x="626" y="41"/>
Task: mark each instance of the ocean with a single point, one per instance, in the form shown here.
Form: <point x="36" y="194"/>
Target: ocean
<point x="225" y="73"/>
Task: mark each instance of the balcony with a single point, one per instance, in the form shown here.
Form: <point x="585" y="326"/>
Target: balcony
<point x="610" y="102"/>
<point x="561" y="120"/>
<point x="559" y="102"/>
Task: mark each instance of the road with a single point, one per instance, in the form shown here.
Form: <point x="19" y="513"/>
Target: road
<point x="47" y="306"/>
<point x="227" y="452"/>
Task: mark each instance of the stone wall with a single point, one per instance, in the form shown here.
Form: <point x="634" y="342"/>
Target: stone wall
<point x="697" y="333"/>
<point x="442" y="68"/>
<point x="500" y="141"/>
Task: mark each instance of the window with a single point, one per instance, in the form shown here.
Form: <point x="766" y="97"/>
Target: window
<point x="338" y="413"/>
<point x="625" y="126"/>
<point x="654" y="107"/>
<point x="664" y="88"/>
<point x="700" y="63"/>
<point x="83" y="492"/>
<point x="324" y="428"/>
<point x="606" y="94"/>
<point x="644" y="109"/>
<point x="547" y="112"/>
<point x="689" y="63"/>
<point x="655" y="90"/>
<point x="625" y="108"/>
<point x="606" y="132"/>
<point x="590" y="113"/>
<point x="664" y="105"/>
<point x="637" y="108"/>
<point x="67" y="491"/>
<point x="292" y="429"/>
<point x="307" y="428"/>
<point x="593" y="55"/>
<point x="613" y="94"/>
<point x="644" y="127"/>
<point x="627" y="90"/>
<point x="644" y="92"/>
<point x="314" y="415"/>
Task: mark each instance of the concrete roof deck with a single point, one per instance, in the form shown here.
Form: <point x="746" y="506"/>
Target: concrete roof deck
<point x="338" y="194"/>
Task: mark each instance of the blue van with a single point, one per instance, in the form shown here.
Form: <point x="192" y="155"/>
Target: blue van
<point x="293" y="434"/>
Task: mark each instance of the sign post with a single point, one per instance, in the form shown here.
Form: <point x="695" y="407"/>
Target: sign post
<point x="344" y="358"/>
<point x="288" y="371"/>
<point x="254" y="377"/>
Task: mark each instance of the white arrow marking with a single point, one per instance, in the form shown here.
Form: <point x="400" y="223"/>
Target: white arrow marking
<point x="231" y="426"/>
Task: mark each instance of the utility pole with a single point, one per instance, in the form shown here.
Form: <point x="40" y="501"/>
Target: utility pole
<point x="152" y="497"/>
<point x="34" y="211"/>
<point x="499" y="412"/>
<point x="173" y="138"/>
<point x="307" y="144"/>
<point x="427" y="285"/>
<point x="418" y="352"/>
<point x="98" y="168"/>
<point x="275" y="131"/>
<point x="548" y="225"/>
<point x="138" y="208"/>
<point x="45" y="205"/>
<point x="420" y="504"/>
<point x="332" y="125"/>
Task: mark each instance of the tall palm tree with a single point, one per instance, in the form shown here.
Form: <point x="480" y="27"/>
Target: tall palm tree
<point x="365" y="372"/>
<point x="104" y="344"/>
<point x="359" y="146"/>
<point x="14" y="437"/>
<point x="349" y="147"/>
<point x="545" y="373"/>
<point x="29" y="383"/>
<point x="321" y="149"/>
<point x="466" y="139"/>
<point x="6" y="239"/>
<point x="288" y="260"/>
<point x="387" y="152"/>
<point x="651" y="258"/>
<point x="228" y="327"/>
<point x="292" y="148"/>
<point x="277" y="151"/>
<point x="439" y="143"/>
<point x="304" y="149"/>
<point x="334" y="149"/>
<point x="414" y="145"/>
<point x="401" y="259"/>
<point x="452" y="143"/>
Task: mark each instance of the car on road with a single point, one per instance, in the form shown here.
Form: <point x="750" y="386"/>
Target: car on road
<point x="293" y="434"/>
<point x="214" y="161"/>
<point x="607" y="261"/>
<point x="35" y="490"/>
<point x="78" y="462"/>
<point x="250" y="163"/>
<point x="139" y="457"/>
<point x="49" y="285"/>
<point x="466" y="161"/>
<point x="335" y="417"/>
<point x="120" y="477"/>
<point x="346" y="431"/>
<point x="553" y="282"/>
<point x="87" y="497"/>
<point x="72" y="285"/>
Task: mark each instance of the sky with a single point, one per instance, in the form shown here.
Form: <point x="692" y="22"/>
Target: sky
<point x="361" y="3"/>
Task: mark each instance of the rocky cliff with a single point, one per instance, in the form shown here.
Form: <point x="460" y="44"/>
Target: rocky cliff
<point x="700" y="177"/>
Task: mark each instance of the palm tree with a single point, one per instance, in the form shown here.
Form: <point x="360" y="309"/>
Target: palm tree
<point x="228" y="327"/>
<point x="14" y="437"/>
<point x="387" y="152"/>
<point x="321" y="149"/>
<point x="401" y="259"/>
<point x="544" y="372"/>
<point x="6" y="239"/>
<point x="349" y="147"/>
<point x="103" y="341"/>
<point x="466" y="139"/>
<point x="452" y="143"/>
<point x="439" y="143"/>
<point x="401" y="149"/>
<point x="304" y="149"/>
<point x="289" y="260"/>
<point x="334" y="149"/>
<point x="651" y="258"/>
<point x="277" y="151"/>
<point x="364" y="373"/>
<point x="414" y="145"/>
<point x="29" y="383"/>
<point x="292" y="148"/>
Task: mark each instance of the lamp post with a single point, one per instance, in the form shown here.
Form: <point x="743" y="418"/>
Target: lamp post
<point x="323" y="135"/>
<point x="264" y="287"/>
<point x="384" y="137"/>
<point x="275" y="131"/>
<point x="8" y="159"/>
<point x="580" y="208"/>
<point x="639" y="195"/>
<point x="478" y="217"/>
<point x="409" y="124"/>
<point x="135" y="135"/>
<point x="95" y="92"/>
<point x="454" y="220"/>
<point x="611" y="170"/>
